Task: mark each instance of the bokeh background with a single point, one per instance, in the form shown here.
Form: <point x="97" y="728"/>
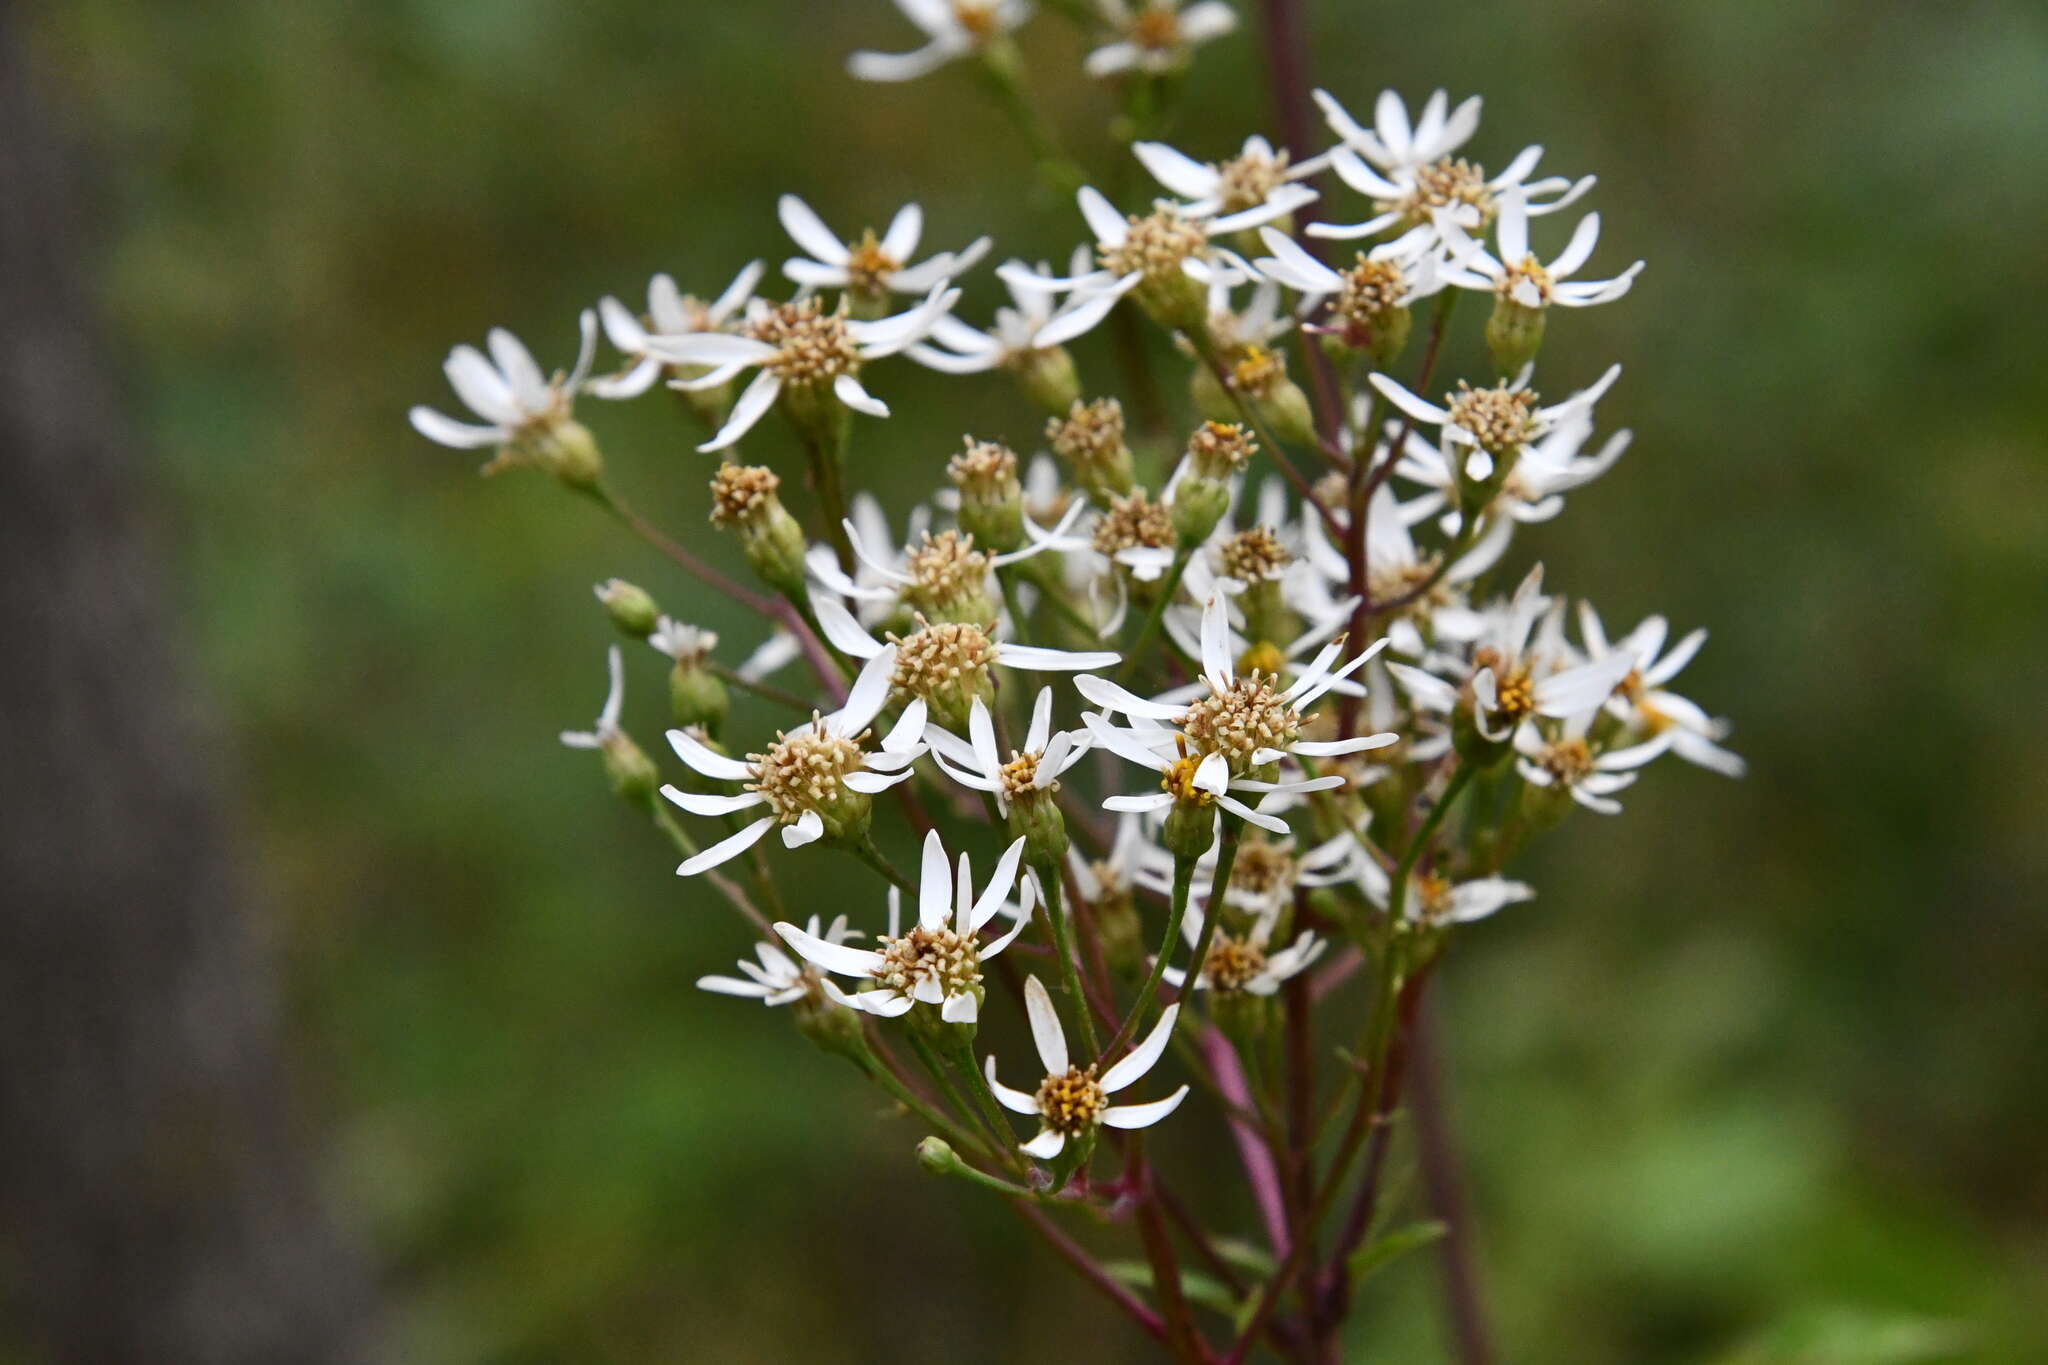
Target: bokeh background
<point x="1760" y="1077"/>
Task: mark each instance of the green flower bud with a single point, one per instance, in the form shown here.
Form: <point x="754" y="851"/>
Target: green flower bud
<point x="1048" y="378"/>
<point x="1514" y="334"/>
<point x="831" y="1025"/>
<point x="631" y="772"/>
<point x="1035" y="817"/>
<point x="991" y="496"/>
<point x="631" y="608"/>
<point x="697" y="696"/>
<point x="1285" y="411"/>
<point x="744" y="497"/>
<point x="556" y="445"/>
<point x="1090" y="440"/>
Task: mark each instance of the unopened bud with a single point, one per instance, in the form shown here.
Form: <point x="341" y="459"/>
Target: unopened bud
<point x="697" y="696"/>
<point x="1198" y="505"/>
<point x="630" y="771"/>
<point x="744" y="498"/>
<point x="556" y="445"/>
<point x="1218" y="450"/>
<point x="1514" y="334"/>
<point x="831" y="1025"/>
<point x="991" y="497"/>
<point x="1090" y="439"/>
<point x="1035" y="817"/>
<point x="1190" y="828"/>
<point x="1286" y="413"/>
<point x="632" y="610"/>
<point x="1048" y="378"/>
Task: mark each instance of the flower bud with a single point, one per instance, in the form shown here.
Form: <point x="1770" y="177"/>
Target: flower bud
<point x="630" y="771"/>
<point x="1241" y="1015"/>
<point x="632" y="610"/>
<point x="991" y="497"/>
<point x="1198" y="504"/>
<point x="936" y="1155"/>
<point x="814" y="409"/>
<point x="831" y="1025"/>
<point x="744" y="497"/>
<point x="1090" y="440"/>
<point x="697" y="696"/>
<point x="1286" y="413"/>
<point x="947" y="664"/>
<point x="1035" y="817"/>
<point x="1513" y="335"/>
<point x="1219" y="450"/>
<point x="1118" y="929"/>
<point x="1048" y="377"/>
<point x="1368" y="317"/>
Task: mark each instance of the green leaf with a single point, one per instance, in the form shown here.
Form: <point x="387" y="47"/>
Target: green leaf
<point x="1382" y="1252"/>
<point x="1203" y="1289"/>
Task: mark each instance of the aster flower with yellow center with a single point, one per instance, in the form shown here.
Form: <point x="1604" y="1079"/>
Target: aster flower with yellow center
<point x="526" y="415"/>
<point x="1412" y="172"/>
<point x="815" y="780"/>
<point x="870" y="267"/>
<point x="945" y="576"/>
<point x="802" y="348"/>
<point x="1564" y="759"/>
<point x="1646" y="705"/>
<point x="1533" y="491"/>
<point x="1218" y="742"/>
<point x="1245" y="964"/>
<point x="670" y="313"/>
<point x="952" y="28"/>
<point x="1509" y="681"/>
<point x="1494" y="425"/>
<point x="775" y="978"/>
<point x="1259" y="185"/>
<point x="1516" y="275"/>
<point x="1033" y="770"/>
<point x="1073" y="1101"/>
<point x="938" y="960"/>
<point x="1158" y="35"/>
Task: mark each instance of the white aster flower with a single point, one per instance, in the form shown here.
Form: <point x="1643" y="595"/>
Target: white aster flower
<point x="1496" y="423"/>
<point x="1513" y="681"/>
<point x="777" y="978"/>
<point x="670" y="313"/>
<point x="1643" y="702"/>
<point x="1256" y="186"/>
<point x="1392" y="275"/>
<point x="976" y="762"/>
<point x="941" y="575"/>
<point x="1242" y="724"/>
<point x="521" y="407"/>
<point x="1158" y="35"/>
<point x="869" y="267"/>
<point x="1039" y="321"/>
<point x="1411" y="173"/>
<point x="1569" y="761"/>
<point x="1516" y="274"/>
<point x="1548" y="468"/>
<point x="801" y="345"/>
<point x="816" y="771"/>
<point x="1263" y="877"/>
<point x="1073" y="1101"/>
<point x="1434" y="900"/>
<point x="952" y="29"/>
<point x="938" y="962"/>
<point x="1246" y="964"/>
<point x="944" y="664"/>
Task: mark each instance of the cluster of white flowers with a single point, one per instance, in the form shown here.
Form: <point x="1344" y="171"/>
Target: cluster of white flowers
<point x="1303" y="673"/>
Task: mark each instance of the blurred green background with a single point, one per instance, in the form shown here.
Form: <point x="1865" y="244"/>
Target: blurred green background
<point x="1758" y="1079"/>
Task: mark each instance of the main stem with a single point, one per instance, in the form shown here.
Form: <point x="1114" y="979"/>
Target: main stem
<point x="1063" y="948"/>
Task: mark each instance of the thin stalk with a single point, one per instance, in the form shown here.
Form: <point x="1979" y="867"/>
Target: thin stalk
<point x="992" y="1113"/>
<point x="766" y="691"/>
<point x="724" y="885"/>
<point x="1063" y="948"/>
<point x="1092" y="1271"/>
<point x="865" y="850"/>
<point x="1183" y="878"/>
<point x="1444" y="1179"/>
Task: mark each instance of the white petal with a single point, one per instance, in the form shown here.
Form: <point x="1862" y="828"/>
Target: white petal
<point x="1046" y="1032"/>
<point x="808" y="231"/>
<point x="730" y="847"/>
<point x="849" y="391"/>
<point x="754" y="401"/>
<point x="1016" y="1101"/>
<point x="698" y="803"/>
<point x="1143" y="1115"/>
<point x="1046" y="1145"/>
<point x="449" y="432"/>
<point x="694" y="752"/>
<point x="808" y="829"/>
<point x="1144" y="1056"/>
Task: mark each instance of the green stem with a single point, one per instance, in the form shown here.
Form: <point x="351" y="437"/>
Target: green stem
<point x="865" y="850"/>
<point x="1063" y="948"/>
<point x="658" y="810"/>
<point x="1226" y="859"/>
<point x="941" y="1123"/>
<point x="992" y="1113"/>
<point x="1397" y="903"/>
<point x="1183" y="877"/>
<point x="943" y="1078"/>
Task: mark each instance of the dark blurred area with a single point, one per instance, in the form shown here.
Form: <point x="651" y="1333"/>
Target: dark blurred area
<point x="1758" y="1080"/>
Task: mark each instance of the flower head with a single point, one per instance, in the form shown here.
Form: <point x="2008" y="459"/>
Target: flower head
<point x="526" y="415"/>
<point x="670" y="313"/>
<point x="1073" y="1101"/>
<point x="870" y="267"/>
<point x="1158" y="35"/>
<point x="938" y="960"/>
<point x="952" y="29"/>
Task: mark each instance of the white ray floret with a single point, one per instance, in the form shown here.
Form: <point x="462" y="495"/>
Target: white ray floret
<point x="938" y="960"/>
<point x="869" y="265"/>
<point x="670" y="313"/>
<point x="1258" y="185"/>
<point x="1157" y="35"/>
<point x="1642" y="700"/>
<point x="776" y="978"/>
<point x="508" y="391"/>
<point x="1072" y="1101"/>
<point x="816" y="348"/>
<point x="1516" y="274"/>
<point x="805" y="770"/>
<point x="1245" y="964"/>
<point x="952" y="28"/>
<point x="976" y="762"/>
<point x="1475" y="417"/>
<point x="607" y="726"/>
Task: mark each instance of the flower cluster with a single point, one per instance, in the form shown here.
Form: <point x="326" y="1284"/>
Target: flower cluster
<point x="1322" y="726"/>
